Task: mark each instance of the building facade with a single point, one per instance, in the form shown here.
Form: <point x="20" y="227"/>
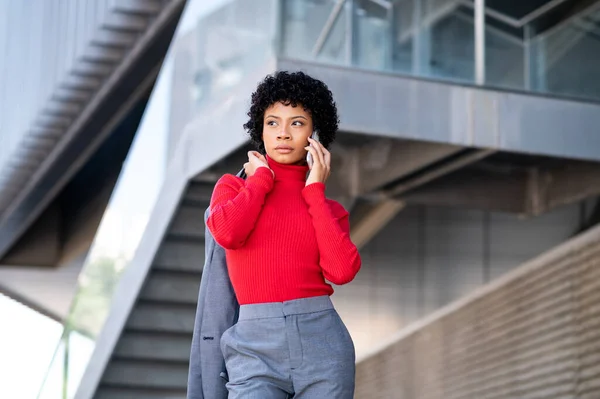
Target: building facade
<point x="468" y="146"/>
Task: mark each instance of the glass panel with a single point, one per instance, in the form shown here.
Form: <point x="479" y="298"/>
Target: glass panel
<point x="436" y="39"/>
<point x="54" y="385"/>
<point x="215" y="55"/>
<point x="433" y="38"/>
<point x="447" y="43"/>
<point x="80" y="349"/>
<point x="403" y="35"/>
<point x="504" y="55"/>
<point x="566" y="58"/>
<point x="216" y="44"/>
<point x="372" y="35"/>
<point x="303" y="22"/>
<point x="336" y="46"/>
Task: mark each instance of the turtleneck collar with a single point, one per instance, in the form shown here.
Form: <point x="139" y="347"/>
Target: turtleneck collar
<point x="287" y="172"/>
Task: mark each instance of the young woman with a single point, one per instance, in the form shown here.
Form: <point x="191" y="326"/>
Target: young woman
<point x="283" y="239"/>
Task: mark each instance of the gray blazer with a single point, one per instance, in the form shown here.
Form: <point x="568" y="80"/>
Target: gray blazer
<point x="217" y="310"/>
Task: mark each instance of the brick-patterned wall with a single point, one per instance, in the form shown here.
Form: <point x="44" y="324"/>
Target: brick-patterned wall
<point x="535" y="333"/>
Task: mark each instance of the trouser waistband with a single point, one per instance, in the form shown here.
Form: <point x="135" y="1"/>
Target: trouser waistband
<point x="282" y="309"/>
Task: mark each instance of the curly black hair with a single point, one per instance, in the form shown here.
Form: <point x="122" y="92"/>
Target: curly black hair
<point x="294" y="88"/>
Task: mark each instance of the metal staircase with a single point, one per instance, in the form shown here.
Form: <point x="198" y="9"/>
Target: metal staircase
<point x="151" y="356"/>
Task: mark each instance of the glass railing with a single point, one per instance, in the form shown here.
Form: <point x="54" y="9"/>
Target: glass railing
<point x="537" y="48"/>
<point x="216" y="43"/>
<point x="430" y="38"/>
<point x="567" y="57"/>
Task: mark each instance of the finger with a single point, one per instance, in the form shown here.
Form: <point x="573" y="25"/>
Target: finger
<point x="317" y="144"/>
<point x="314" y="144"/>
<point x="314" y="154"/>
<point x="319" y="148"/>
<point x="259" y="157"/>
<point x="327" y="156"/>
<point x="262" y="158"/>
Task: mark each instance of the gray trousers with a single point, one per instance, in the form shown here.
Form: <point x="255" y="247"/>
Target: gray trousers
<point x="296" y="349"/>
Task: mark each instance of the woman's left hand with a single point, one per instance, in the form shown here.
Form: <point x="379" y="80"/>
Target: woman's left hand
<point x="321" y="167"/>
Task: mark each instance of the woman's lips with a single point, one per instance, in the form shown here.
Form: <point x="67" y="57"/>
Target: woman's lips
<point x="283" y="149"/>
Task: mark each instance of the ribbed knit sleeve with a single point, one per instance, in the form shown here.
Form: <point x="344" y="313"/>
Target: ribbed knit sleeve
<point x="339" y="257"/>
<point x="235" y="205"/>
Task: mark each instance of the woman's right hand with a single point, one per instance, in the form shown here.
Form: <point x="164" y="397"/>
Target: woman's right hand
<point x="255" y="160"/>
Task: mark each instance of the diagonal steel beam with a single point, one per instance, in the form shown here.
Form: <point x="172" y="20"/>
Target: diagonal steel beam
<point x="335" y="13"/>
<point x="449" y="167"/>
<point x="389" y="202"/>
<point x="374" y="221"/>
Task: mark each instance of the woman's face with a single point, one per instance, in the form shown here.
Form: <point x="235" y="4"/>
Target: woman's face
<point x="286" y="130"/>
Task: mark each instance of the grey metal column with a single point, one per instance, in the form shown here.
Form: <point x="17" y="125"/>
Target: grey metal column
<point x="350" y="36"/>
<point x="535" y="69"/>
<point x="480" y="42"/>
<point x="421" y="54"/>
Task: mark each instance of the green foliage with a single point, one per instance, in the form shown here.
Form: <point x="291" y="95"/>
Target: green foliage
<point x="91" y="305"/>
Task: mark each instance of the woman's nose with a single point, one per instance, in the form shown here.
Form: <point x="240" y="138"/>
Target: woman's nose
<point x="283" y="135"/>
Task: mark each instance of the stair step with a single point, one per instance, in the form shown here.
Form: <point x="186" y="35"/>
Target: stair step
<point x="143" y="7"/>
<point x="171" y="287"/>
<point x="79" y="82"/>
<point x="146" y="374"/>
<point x="118" y="392"/>
<point x="199" y="192"/>
<point x="180" y="255"/>
<point x="93" y="69"/>
<point x="151" y="346"/>
<point x="113" y="38"/>
<point x="98" y="53"/>
<point x="189" y="222"/>
<point x="156" y="317"/>
<point x="125" y="22"/>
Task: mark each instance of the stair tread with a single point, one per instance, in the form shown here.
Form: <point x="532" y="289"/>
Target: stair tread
<point x="136" y="345"/>
<point x="171" y="286"/>
<point x="113" y="391"/>
<point x="146" y="374"/>
<point x="162" y="317"/>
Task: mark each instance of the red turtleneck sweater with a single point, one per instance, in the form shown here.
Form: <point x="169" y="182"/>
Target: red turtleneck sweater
<point x="281" y="239"/>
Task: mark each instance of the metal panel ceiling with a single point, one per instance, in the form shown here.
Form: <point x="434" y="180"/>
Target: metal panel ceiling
<point x="58" y="55"/>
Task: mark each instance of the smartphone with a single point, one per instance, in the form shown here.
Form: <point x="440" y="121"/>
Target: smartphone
<point x="309" y="160"/>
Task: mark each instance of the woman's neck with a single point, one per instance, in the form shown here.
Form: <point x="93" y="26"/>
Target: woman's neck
<point x="288" y="171"/>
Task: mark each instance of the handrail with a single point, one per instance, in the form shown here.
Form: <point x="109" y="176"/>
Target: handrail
<point x="497" y="15"/>
<point x="383" y="3"/>
<point x="541" y="11"/>
<point x="591" y="8"/>
<point x="517" y="23"/>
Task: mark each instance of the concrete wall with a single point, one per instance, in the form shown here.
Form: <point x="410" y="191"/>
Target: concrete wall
<point x="530" y="334"/>
<point x="428" y="257"/>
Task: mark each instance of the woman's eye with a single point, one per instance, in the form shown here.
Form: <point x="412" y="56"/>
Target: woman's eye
<point x="271" y="123"/>
<point x="297" y="123"/>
